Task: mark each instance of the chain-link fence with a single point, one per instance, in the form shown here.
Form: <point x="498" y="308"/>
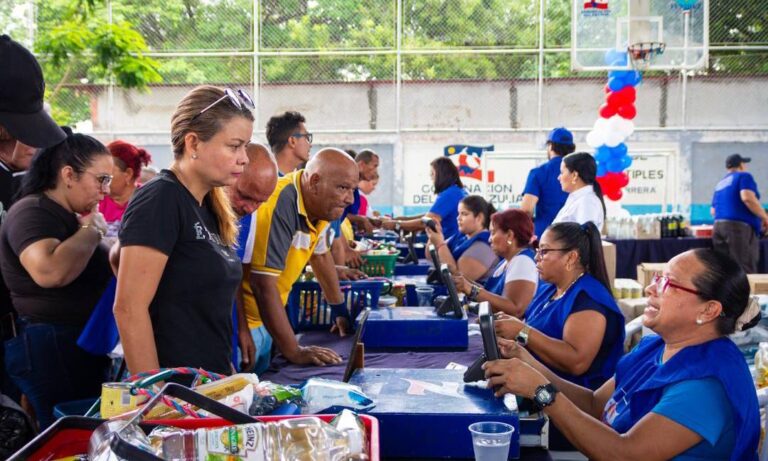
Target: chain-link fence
<point x="382" y="66"/>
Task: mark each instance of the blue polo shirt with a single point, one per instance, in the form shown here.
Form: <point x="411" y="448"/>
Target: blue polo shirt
<point x="447" y="207"/>
<point x="727" y="199"/>
<point x="542" y="182"/>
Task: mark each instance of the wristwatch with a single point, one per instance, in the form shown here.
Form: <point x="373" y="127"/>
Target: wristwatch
<point x="522" y="337"/>
<point x="544" y="395"/>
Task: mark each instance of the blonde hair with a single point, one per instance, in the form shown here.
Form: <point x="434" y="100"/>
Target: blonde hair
<point x="187" y="118"/>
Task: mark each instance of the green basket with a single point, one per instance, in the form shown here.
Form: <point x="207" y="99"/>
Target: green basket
<point x="379" y="265"/>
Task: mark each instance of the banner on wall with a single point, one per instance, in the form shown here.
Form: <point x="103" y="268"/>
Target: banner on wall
<point x="505" y="173"/>
<point x="650" y="179"/>
<point x="650" y="176"/>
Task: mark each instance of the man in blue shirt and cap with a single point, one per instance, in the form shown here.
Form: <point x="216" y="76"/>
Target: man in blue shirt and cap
<point x="739" y="216"/>
<point x="542" y="189"/>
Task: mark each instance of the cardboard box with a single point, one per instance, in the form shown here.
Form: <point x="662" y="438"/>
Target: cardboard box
<point x="609" y="254"/>
<point x="645" y="272"/>
<point x="632" y="308"/>
<point x="758" y="284"/>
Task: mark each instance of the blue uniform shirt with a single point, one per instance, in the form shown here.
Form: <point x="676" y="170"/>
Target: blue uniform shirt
<point x="542" y="182"/>
<point x="447" y="207"/>
<point x="727" y="199"/>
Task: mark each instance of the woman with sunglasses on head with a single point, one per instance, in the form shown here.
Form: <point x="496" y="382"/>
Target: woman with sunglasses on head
<point x="512" y="282"/>
<point x="178" y="271"/>
<point x="684" y="393"/>
<point x="55" y="265"/>
<point x="578" y="177"/>
<point x="129" y="161"/>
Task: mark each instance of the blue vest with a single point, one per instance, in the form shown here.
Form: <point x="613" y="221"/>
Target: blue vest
<point x="495" y="284"/>
<point x="549" y="318"/>
<point x="459" y="243"/>
<point x="641" y="379"/>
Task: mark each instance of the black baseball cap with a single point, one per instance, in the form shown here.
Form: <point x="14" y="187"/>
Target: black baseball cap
<point x="22" y="89"/>
<point x="734" y="160"/>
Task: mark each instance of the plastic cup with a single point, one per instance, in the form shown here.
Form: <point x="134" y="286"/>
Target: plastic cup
<point x="490" y="440"/>
<point x="424" y="295"/>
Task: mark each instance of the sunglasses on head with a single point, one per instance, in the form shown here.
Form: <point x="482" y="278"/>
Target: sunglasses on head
<point x="240" y="99"/>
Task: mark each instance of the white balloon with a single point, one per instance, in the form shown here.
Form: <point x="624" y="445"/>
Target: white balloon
<point x="622" y="125"/>
<point x="614" y="138"/>
<point x="594" y="139"/>
<point x="601" y="124"/>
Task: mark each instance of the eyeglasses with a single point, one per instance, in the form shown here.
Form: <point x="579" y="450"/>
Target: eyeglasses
<point x="104" y="179"/>
<point x="303" y="135"/>
<point x="543" y="251"/>
<point x="239" y="99"/>
<point x="662" y="283"/>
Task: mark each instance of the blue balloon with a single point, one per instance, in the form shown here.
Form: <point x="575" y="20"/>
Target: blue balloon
<point x="601" y="171"/>
<point x="634" y="78"/>
<point x="620" y="74"/>
<point x="614" y="165"/>
<point x="626" y="162"/>
<point x="687" y="4"/>
<point x="616" y="84"/>
<point x="616" y="57"/>
<point x="603" y="154"/>
<point x="619" y="151"/>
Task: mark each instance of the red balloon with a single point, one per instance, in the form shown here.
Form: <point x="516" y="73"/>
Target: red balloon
<point x="615" y="195"/>
<point x="622" y="179"/>
<point x="627" y="95"/>
<point x="614" y="99"/>
<point x="627" y="111"/>
<point x="607" y="111"/>
<point x="607" y="89"/>
<point x="607" y="183"/>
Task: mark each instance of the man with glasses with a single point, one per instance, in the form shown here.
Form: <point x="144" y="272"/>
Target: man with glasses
<point x="289" y="140"/>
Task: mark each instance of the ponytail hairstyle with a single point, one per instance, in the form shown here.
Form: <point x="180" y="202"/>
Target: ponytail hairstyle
<point x="477" y="205"/>
<point x="188" y="119"/>
<point x="76" y="151"/>
<point x="585" y="239"/>
<point x="585" y="166"/>
<point x="127" y="155"/>
<point x="519" y="222"/>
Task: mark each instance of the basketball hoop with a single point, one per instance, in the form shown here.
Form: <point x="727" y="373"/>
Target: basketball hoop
<point x="642" y="54"/>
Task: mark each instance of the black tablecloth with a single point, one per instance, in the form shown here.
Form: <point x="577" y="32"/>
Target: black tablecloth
<point x="630" y="253"/>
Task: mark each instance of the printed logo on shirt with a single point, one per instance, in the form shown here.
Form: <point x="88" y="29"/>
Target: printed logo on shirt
<point x="202" y="233"/>
<point x="725" y="182"/>
<point x="301" y="241"/>
<point x="199" y="235"/>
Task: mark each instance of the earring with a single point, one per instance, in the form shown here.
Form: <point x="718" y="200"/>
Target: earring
<point x="699" y="322"/>
<point x="509" y="242"/>
<point x="194" y="155"/>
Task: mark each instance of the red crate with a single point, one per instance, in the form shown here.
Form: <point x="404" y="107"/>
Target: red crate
<point x="69" y="436"/>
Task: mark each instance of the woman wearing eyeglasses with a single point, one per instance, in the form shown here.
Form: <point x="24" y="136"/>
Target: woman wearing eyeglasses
<point x="129" y="160"/>
<point x="178" y="271"/>
<point x="512" y="282"/>
<point x="684" y="393"/>
<point x="55" y="265"/>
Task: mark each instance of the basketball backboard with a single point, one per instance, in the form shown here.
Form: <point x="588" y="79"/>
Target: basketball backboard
<point x="602" y="30"/>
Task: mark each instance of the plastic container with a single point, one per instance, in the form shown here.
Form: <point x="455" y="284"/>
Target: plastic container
<point x="387" y="301"/>
<point x="379" y="265"/>
<point x="308" y="310"/>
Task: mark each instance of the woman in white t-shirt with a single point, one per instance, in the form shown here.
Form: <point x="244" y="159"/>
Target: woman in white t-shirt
<point x="585" y="197"/>
<point x="512" y="284"/>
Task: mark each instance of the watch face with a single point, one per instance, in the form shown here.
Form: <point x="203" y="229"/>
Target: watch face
<point x="544" y="395"/>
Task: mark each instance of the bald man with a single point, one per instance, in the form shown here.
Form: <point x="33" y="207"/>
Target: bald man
<point x="252" y="188"/>
<point x="291" y="230"/>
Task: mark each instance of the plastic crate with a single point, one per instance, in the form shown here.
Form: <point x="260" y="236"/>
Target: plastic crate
<point x="69" y="436"/>
<point x="379" y="265"/>
<point x="308" y="310"/>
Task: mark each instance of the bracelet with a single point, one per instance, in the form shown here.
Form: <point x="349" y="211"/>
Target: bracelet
<point x="339" y="310"/>
<point x="474" y="293"/>
<point x="89" y="226"/>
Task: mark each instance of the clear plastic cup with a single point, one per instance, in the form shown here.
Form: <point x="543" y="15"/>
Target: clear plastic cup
<point x="490" y="440"/>
<point x="424" y="295"/>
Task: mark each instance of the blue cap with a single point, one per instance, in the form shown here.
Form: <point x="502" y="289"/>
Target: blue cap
<point x="560" y="135"/>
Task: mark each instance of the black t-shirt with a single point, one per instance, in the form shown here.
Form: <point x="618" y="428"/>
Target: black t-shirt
<point x="35" y="218"/>
<point x="192" y="309"/>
